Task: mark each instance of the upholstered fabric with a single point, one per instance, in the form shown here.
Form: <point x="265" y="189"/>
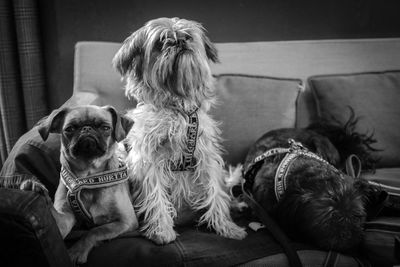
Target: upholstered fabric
<point x="374" y="97"/>
<point x="95" y="80"/>
<point x="302" y="59"/>
<point x="250" y="106"/>
<point x="379" y="241"/>
<point x="289" y="59"/>
<point x="387" y="176"/>
<point x="193" y="247"/>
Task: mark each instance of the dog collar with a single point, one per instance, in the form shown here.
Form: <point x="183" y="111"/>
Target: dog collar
<point x="75" y="184"/>
<point x="188" y="161"/>
<point x="295" y="150"/>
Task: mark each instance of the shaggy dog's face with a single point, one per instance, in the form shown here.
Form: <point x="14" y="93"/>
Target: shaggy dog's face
<point x="167" y="61"/>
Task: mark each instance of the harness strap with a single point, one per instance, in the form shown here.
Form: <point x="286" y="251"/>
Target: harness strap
<point x="188" y="162"/>
<point x="294" y="151"/>
<point x="353" y="166"/>
<point x="331" y="259"/>
<point x="274" y="229"/>
<point x="267" y="154"/>
<point x="75" y="184"/>
<point x="284" y="167"/>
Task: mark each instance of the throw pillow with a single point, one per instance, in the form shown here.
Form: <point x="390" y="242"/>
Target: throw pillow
<point x="249" y="106"/>
<point x="374" y="97"/>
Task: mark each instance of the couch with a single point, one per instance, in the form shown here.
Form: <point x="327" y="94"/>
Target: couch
<point x="260" y="86"/>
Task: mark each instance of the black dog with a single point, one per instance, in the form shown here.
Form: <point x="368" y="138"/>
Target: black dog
<point x="296" y="175"/>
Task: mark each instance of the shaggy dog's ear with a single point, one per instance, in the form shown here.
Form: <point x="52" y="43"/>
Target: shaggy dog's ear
<point x="52" y="123"/>
<point x="324" y="148"/>
<point x="129" y="56"/>
<point x="211" y="50"/>
<point x="121" y="124"/>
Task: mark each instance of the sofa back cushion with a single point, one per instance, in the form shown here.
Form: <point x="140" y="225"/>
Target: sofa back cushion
<point x="249" y="106"/>
<point x="95" y="79"/>
<point x="374" y="97"/>
<point x="97" y="82"/>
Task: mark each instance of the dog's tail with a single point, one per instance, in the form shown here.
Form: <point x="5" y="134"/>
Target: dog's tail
<point x="233" y="180"/>
<point x="233" y="175"/>
<point x="347" y="140"/>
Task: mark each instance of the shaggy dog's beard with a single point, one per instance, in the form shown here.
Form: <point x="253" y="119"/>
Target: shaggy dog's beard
<point x="179" y="83"/>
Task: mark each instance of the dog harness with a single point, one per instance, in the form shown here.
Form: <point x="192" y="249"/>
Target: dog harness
<point x="188" y="162"/>
<point x="295" y="150"/>
<point x="75" y="184"/>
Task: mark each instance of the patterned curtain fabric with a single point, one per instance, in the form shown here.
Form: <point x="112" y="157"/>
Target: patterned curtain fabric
<point x="22" y="84"/>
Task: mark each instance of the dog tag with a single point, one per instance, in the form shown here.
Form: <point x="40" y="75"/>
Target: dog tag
<point x="255" y="226"/>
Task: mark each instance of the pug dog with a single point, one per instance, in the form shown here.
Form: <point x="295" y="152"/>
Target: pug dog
<point x="94" y="187"/>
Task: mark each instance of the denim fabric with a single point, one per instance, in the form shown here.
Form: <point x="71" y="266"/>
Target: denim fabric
<point x="193" y="247"/>
<point x="33" y="157"/>
<point x="29" y="235"/>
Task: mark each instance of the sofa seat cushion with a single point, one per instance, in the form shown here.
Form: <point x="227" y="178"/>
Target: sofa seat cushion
<point x="250" y="106"/>
<point x="374" y="97"/>
<point x="314" y="258"/>
<point x="379" y="241"/>
<point x="386" y="176"/>
<point x="199" y="247"/>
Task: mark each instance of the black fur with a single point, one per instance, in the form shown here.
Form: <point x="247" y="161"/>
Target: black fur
<point x="347" y="141"/>
<point x="321" y="204"/>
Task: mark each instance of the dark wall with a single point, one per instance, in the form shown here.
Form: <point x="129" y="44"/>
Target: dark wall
<point x="64" y="22"/>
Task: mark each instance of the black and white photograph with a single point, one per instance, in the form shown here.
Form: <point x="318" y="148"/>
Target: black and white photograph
<point x="199" y="133"/>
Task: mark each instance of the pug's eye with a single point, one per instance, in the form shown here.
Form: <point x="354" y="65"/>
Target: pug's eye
<point x="105" y="128"/>
<point x="70" y="129"/>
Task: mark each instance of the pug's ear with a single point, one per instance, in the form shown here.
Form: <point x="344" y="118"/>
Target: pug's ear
<point x="121" y="124"/>
<point x="52" y="123"/>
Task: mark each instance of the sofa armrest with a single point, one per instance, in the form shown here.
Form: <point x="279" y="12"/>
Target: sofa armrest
<point x="28" y="233"/>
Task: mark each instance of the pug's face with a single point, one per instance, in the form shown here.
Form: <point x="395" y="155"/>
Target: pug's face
<point x="87" y="132"/>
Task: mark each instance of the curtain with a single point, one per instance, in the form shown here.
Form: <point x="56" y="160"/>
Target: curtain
<point x="22" y="83"/>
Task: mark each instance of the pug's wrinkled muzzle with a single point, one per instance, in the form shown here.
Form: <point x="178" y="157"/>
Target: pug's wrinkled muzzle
<point x="88" y="146"/>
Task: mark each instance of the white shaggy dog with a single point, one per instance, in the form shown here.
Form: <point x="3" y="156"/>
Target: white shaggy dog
<point x="174" y="145"/>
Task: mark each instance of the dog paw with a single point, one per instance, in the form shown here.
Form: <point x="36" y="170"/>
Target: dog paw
<point x="35" y="186"/>
<point x="167" y="235"/>
<point x="78" y="254"/>
<point x="231" y="230"/>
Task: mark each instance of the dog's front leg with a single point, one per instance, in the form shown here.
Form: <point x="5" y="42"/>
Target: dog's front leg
<point x="80" y="250"/>
<point x="62" y="213"/>
<point x="154" y="204"/>
<point x="217" y="204"/>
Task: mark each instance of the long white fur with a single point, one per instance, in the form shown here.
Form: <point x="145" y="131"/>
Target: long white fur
<point x="158" y="138"/>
